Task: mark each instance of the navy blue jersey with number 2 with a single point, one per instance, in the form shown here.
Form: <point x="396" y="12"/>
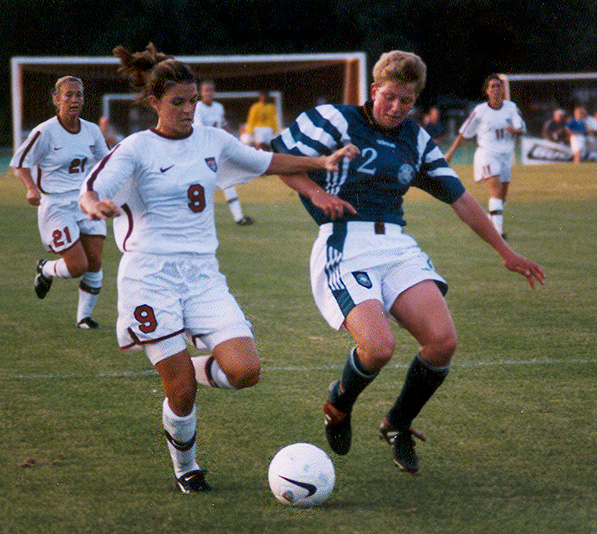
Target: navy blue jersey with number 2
<point x="390" y="161"/>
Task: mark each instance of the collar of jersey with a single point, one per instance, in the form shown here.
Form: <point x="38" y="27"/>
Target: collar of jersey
<point x="172" y="138"/>
<point x="367" y="112"/>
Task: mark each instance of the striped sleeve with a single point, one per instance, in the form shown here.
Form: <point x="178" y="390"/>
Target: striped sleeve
<point x="30" y="152"/>
<point x="317" y="132"/>
<point x="435" y="176"/>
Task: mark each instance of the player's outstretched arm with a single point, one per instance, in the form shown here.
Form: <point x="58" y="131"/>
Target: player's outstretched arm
<point x="97" y="209"/>
<point x="457" y="142"/>
<point x="333" y="206"/>
<point x="471" y="213"/>
<point x="289" y="164"/>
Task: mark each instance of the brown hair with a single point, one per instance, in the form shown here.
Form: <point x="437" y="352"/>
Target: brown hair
<point x="492" y="76"/>
<point x="399" y="66"/>
<point x="152" y="72"/>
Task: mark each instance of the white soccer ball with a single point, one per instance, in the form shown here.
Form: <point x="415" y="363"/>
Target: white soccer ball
<point x="301" y="475"/>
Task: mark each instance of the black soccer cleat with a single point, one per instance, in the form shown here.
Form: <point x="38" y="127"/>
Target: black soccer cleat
<point x="42" y="283"/>
<point x="193" y="482"/>
<point x="338" y="430"/>
<point x="402" y="444"/>
<point x="245" y="221"/>
<point x="87" y="323"/>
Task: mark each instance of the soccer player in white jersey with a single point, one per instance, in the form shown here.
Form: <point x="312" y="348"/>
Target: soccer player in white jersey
<point x="364" y="268"/>
<point x="159" y="185"/>
<point x="211" y="113"/>
<point x="496" y="123"/>
<point x="52" y="163"/>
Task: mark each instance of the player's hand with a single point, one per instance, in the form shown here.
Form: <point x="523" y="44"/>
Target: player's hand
<point x="333" y="206"/>
<point x="33" y="196"/>
<point x="348" y="151"/>
<point x="97" y="209"/>
<point x="529" y="269"/>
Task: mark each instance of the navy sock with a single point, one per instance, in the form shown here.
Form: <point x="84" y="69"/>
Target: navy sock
<point x="354" y="380"/>
<point x="421" y="382"/>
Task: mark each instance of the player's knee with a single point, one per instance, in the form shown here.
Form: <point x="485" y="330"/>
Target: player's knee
<point x="441" y="350"/>
<point x="77" y="268"/>
<point x="377" y="351"/>
<point x="246" y="377"/>
<point x="182" y="397"/>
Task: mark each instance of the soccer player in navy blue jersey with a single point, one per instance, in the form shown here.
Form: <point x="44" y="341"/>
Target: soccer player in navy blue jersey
<point x="364" y="268"/>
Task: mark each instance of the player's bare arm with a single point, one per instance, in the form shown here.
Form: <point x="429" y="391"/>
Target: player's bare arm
<point x="288" y="164"/>
<point x="97" y="209"/>
<point x="471" y="213"/>
<point x="33" y="193"/>
<point x="331" y="205"/>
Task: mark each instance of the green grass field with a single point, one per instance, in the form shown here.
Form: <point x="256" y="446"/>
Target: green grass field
<point x="511" y="440"/>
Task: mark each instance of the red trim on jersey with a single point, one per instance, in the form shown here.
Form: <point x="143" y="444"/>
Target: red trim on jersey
<point x="70" y="131"/>
<point x="129" y="216"/>
<point x="28" y="148"/>
<point x="38" y="180"/>
<point x="172" y="138"/>
<point x="100" y="167"/>
<point x="467" y="122"/>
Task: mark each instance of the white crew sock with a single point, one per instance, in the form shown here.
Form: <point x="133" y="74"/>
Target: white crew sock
<point x="496" y="213"/>
<point x="56" y="268"/>
<point x="209" y="373"/>
<point x="89" y="288"/>
<point x="180" y="436"/>
<point x="233" y="203"/>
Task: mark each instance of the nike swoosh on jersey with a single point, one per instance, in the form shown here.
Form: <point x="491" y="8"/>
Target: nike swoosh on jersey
<point x="58" y="148"/>
<point x="164" y="169"/>
<point x="309" y="487"/>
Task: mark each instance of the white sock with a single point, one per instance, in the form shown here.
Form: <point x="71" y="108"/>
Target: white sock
<point x="496" y="211"/>
<point x="180" y="436"/>
<point x="89" y="288"/>
<point x="209" y="373"/>
<point x="233" y="203"/>
<point x="56" y="268"/>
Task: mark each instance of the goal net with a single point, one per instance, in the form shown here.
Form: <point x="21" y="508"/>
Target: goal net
<point x="296" y="82"/>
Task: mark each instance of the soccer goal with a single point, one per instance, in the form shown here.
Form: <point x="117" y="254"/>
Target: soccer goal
<point x="538" y="95"/>
<point x="299" y="82"/>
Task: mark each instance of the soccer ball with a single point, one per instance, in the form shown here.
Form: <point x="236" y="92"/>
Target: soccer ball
<point x="301" y="475"/>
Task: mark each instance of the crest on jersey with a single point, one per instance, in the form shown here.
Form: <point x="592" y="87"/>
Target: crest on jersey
<point x="362" y="279"/>
<point x="211" y="163"/>
<point x="406" y="173"/>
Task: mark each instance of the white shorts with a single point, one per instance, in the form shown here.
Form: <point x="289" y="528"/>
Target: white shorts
<point x="578" y="143"/>
<point x="488" y="164"/>
<point x="351" y="263"/>
<point x="263" y="134"/>
<point x="163" y="298"/>
<point x="61" y="221"/>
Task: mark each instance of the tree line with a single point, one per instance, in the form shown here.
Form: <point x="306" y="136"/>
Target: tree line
<point x="460" y="40"/>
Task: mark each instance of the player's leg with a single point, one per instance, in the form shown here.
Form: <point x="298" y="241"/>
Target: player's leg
<point x="368" y="325"/>
<point x="422" y="310"/>
<point x="233" y="364"/>
<point x="235" y="207"/>
<point x="496" y="202"/>
<point x="91" y="281"/>
<point x="180" y="420"/>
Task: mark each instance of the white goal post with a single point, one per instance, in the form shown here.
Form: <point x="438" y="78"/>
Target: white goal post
<point x="298" y="82"/>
